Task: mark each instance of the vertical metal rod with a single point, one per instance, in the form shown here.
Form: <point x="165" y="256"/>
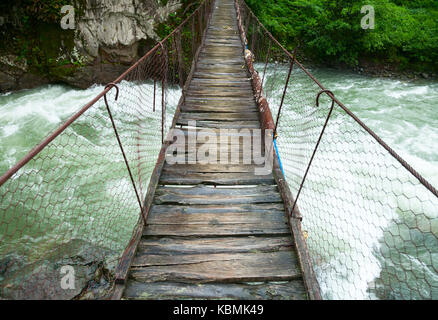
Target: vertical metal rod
<point x="266" y="63"/>
<point x="247" y="23"/>
<point x="179" y="53"/>
<point x="200" y="24"/>
<point x="162" y="110"/>
<point x="284" y="95"/>
<point x="316" y="146"/>
<point x="193" y="37"/>
<point x="155" y="90"/>
<point x="253" y="39"/>
<point x="120" y="144"/>
<point x="163" y="85"/>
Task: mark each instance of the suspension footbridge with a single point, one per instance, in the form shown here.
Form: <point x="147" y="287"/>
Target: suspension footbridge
<point x="204" y="182"/>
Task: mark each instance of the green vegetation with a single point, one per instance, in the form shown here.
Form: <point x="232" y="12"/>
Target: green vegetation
<point x="175" y="19"/>
<point x="33" y="32"/>
<point x="405" y="33"/>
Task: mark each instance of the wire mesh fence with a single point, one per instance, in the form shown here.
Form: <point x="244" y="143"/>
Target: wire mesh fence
<point x="371" y="220"/>
<point x="68" y="209"/>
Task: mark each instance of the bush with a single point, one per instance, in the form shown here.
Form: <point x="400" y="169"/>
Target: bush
<point x="406" y="32"/>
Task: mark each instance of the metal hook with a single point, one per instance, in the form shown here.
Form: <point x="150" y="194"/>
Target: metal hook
<point x="111" y="84"/>
<point x="329" y="93"/>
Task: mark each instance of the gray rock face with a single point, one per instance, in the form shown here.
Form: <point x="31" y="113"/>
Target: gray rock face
<point x="93" y="271"/>
<point x="116" y="26"/>
<point x="106" y="41"/>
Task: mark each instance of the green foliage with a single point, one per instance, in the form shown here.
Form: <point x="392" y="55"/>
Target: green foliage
<point x="406" y="32"/>
<point x="175" y="18"/>
<point x="33" y="32"/>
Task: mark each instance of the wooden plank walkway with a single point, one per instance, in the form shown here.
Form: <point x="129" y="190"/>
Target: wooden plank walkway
<point x="217" y="231"/>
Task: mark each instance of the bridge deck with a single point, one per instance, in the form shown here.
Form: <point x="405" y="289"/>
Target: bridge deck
<point x="217" y="231"/>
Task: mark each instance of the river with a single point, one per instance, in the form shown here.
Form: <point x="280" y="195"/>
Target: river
<point x="404" y="114"/>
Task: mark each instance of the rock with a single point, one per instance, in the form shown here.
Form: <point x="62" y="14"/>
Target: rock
<point x="23" y="279"/>
<point x="7" y="82"/>
<point x="118" y="25"/>
<point x="424" y="75"/>
<point x="107" y="39"/>
<point x="29" y="81"/>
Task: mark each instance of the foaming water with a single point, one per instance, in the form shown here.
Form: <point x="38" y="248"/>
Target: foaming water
<point x="60" y="183"/>
<point x="27" y="116"/>
<point x="371" y="226"/>
<point x="404" y="114"/>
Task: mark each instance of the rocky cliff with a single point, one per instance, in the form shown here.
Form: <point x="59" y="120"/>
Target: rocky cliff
<point x="108" y="36"/>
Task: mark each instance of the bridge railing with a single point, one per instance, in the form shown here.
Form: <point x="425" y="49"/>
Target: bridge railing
<point x="69" y="207"/>
<point x="370" y="219"/>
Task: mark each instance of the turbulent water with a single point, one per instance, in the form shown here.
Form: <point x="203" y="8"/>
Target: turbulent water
<point x="404" y="114"/>
<point x="372" y="227"/>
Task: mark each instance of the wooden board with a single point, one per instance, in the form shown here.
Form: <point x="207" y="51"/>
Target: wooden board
<point x="214" y="230"/>
<point x="225" y="178"/>
<point x="209" y="195"/>
<point x="171" y="246"/>
<point x="218" y="116"/>
<point x="286" y="290"/>
<point x="241" y="267"/>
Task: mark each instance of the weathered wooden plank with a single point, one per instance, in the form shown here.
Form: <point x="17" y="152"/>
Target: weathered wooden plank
<point x="218" y="82"/>
<point x="287" y="290"/>
<point x="221" y="209"/>
<point x="225" y="100"/>
<point x="214" y="63"/>
<point x="188" y="158"/>
<point x="246" y="94"/>
<point x="242" y="267"/>
<point x="254" y="124"/>
<point x="221" y="70"/>
<point x="180" y="246"/>
<point x="208" y="191"/>
<point x="241" y="133"/>
<point x="246" y="229"/>
<point x="176" y="258"/>
<point x="173" y="215"/>
<point x="223" y="109"/>
<point x="220" y="87"/>
<point x="229" y="76"/>
<point x="206" y="84"/>
<point x="219" y="116"/>
<point x="210" y="167"/>
<point x="207" y="137"/>
<point x="213" y="145"/>
<point x="216" y="178"/>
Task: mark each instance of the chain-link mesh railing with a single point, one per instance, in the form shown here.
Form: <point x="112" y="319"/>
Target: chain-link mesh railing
<point x="68" y="209"/>
<point x="371" y="220"/>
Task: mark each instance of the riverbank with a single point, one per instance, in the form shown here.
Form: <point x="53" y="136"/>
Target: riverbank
<point x="368" y="67"/>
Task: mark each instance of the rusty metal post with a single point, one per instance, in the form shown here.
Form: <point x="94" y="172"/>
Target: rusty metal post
<point x="193" y="37"/>
<point x="178" y="48"/>
<point x="284" y="95"/>
<point x="155" y="90"/>
<point x="120" y="144"/>
<point x="266" y="62"/>
<point x="199" y="24"/>
<point x="331" y="95"/>
<point x="253" y="38"/>
<point x="163" y="89"/>
<point x="247" y="22"/>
